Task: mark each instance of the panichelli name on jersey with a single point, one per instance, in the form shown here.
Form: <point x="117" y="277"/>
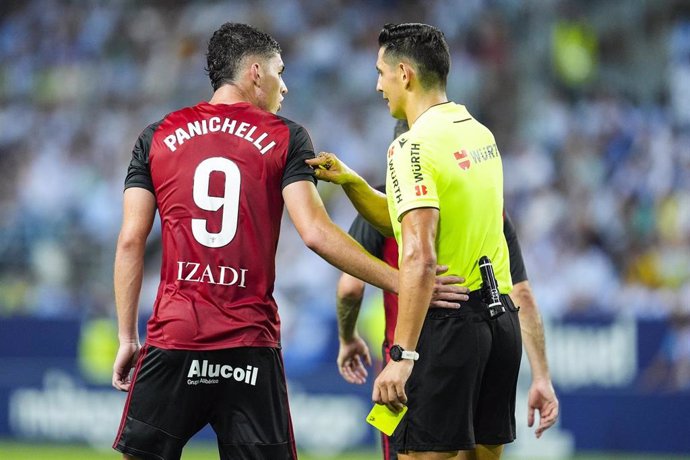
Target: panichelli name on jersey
<point x="196" y="273"/>
<point x="241" y="129"/>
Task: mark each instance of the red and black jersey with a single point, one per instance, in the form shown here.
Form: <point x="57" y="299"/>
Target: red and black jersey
<point x="386" y="249"/>
<point x="217" y="172"/>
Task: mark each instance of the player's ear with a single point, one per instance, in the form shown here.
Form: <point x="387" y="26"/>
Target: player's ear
<point x="255" y="71"/>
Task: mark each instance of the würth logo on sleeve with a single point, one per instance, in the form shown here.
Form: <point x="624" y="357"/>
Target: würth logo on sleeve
<point x="420" y="190"/>
<point x="463" y="159"/>
<point x="415" y="162"/>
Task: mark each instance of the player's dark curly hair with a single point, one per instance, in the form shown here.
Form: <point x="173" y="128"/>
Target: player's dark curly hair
<point x="231" y="43"/>
<point x="424" y="44"/>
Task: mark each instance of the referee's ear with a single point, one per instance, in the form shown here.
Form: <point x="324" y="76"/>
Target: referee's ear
<point x="407" y="73"/>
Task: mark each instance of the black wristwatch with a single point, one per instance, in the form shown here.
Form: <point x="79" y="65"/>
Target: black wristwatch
<point x="398" y="353"/>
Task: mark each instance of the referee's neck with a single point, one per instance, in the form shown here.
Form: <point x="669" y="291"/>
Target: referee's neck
<point x="420" y="102"/>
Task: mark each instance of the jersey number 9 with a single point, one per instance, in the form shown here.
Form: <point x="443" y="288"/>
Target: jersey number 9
<point x="229" y="202"/>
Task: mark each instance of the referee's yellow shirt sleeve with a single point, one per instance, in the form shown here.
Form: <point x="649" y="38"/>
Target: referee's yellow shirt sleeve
<point x="415" y="170"/>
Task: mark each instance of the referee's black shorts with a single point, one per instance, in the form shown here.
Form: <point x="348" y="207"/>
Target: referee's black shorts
<point x="462" y="389"/>
<point x="241" y="392"/>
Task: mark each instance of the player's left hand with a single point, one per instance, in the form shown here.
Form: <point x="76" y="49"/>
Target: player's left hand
<point x="542" y="397"/>
<point x="352" y="357"/>
<point x="125" y="360"/>
<point x="447" y="292"/>
<point x="389" y="386"/>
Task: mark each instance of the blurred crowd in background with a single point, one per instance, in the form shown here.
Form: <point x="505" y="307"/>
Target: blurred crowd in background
<point x="589" y="102"/>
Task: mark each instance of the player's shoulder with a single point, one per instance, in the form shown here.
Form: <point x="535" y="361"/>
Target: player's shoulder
<point x="298" y="133"/>
<point x="147" y="133"/>
<point x="181" y="111"/>
<point x="291" y="124"/>
<point x="152" y="127"/>
<point x="173" y="118"/>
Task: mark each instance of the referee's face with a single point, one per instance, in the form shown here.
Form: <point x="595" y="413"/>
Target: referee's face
<point x="389" y="83"/>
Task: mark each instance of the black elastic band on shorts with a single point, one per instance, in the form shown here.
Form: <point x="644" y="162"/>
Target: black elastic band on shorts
<point x="474" y="307"/>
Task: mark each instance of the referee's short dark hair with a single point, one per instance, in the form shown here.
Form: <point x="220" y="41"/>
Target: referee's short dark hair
<point x="424" y="44"/>
<point x="229" y="45"/>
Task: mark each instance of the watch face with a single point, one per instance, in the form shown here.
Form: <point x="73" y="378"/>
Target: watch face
<point x="396" y="352"/>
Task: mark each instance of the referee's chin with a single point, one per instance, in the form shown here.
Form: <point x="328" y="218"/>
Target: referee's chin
<point x="397" y="114"/>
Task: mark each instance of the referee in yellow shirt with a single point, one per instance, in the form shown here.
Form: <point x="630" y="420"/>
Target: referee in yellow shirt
<point x="455" y="369"/>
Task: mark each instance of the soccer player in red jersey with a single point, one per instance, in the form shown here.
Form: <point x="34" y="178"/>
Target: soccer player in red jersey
<point x="219" y="174"/>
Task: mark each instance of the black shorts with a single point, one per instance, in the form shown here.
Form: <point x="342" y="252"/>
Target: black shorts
<point x="241" y="392"/>
<point x="462" y="389"/>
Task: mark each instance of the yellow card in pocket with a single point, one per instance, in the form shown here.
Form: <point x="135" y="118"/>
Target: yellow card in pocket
<point x="384" y="419"/>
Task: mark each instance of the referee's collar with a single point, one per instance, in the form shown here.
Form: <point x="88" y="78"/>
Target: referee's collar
<point x="442" y="105"/>
<point x="428" y="109"/>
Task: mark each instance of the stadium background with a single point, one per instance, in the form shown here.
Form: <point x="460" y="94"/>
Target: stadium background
<point x="590" y="104"/>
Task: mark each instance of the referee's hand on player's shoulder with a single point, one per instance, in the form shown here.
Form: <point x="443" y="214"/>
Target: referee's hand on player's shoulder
<point x="329" y="168"/>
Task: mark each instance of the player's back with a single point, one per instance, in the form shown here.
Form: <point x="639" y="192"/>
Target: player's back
<point x="218" y="173"/>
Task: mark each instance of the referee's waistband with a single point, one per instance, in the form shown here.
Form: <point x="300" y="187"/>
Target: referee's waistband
<point x="475" y="304"/>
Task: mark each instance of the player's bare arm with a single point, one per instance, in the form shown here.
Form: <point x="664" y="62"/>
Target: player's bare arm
<point x="138" y="213"/>
<point x="349" y="295"/>
<point x="322" y="236"/>
<point x="417" y="273"/>
<point x="541" y="396"/>
<point x="353" y="353"/>
<point x="368" y="201"/>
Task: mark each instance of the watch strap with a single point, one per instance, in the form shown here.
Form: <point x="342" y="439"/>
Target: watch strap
<point x="413" y="355"/>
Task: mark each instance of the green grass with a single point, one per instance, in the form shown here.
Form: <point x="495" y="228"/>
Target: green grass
<point x="10" y="450"/>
